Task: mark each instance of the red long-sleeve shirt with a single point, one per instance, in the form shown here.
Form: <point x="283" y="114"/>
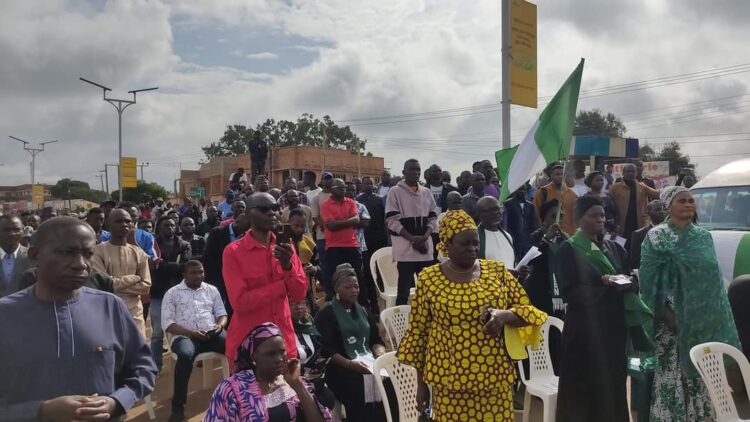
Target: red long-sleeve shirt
<point x="259" y="290"/>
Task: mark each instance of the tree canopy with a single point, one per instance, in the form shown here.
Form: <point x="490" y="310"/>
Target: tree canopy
<point x="595" y="122"/>
<point x="669" y="152"/>
<point x="136" y="195"/>
<point x="76" y="189"/>
<point x="307" y="130"/>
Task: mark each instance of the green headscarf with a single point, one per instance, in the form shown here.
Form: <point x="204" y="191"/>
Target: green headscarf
<point x="680" y="264"/>
<point x="637" y="314"/>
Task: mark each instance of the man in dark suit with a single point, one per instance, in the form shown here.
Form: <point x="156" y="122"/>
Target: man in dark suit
<point x="657" y="212"/>
<point x="218" y="239"/>
<point x="520" y="221"/>
<point x="13" y="256"/>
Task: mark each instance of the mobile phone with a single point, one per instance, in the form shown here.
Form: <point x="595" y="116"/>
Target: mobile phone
<point x="283" y="233"/>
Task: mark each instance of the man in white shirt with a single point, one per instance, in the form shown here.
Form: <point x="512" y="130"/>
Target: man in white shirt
<point x="385" y="184"/>
<point x="193" y="313"/>
<point x="310" y="180"/>
<point x="494" y="242"/>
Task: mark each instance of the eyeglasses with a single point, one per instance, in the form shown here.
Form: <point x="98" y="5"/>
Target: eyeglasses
<point x="265" y="208"/>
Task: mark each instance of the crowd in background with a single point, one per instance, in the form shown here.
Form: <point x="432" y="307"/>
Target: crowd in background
<point x="278" y="279"/>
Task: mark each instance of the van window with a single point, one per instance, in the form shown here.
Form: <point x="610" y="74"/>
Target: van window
<point x="723" y="208"/>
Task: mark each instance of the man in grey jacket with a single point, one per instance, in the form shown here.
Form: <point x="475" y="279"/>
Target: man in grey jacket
<point x="68" y="352"/>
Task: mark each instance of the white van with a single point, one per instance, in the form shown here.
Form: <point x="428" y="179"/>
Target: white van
<point x="722" y="199"/>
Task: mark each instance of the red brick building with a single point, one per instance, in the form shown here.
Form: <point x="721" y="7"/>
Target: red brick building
<point x="282" y="163"/>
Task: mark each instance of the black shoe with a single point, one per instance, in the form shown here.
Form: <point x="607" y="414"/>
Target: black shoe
<point x="178" y="415"/>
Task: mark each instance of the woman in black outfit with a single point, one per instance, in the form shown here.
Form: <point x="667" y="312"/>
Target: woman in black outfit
<point x="593" y="361"/>
<point x="351" y="340"/>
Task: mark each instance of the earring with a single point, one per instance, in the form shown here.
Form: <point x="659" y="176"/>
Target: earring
<point x="338" y="297"/>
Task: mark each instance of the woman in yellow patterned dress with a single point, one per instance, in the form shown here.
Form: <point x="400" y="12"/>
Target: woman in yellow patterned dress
<point x="455" y="334"/>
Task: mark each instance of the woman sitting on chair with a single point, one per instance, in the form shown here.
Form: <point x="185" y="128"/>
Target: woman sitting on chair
<point x="309" y="348"/>
<point x="265" y="387"/>
<point x="351" y="342"/>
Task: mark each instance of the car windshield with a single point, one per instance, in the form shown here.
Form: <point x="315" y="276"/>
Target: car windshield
<point x="723" y="208"/>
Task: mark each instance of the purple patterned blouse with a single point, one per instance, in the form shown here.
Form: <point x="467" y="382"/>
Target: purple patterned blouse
<point x="239" y="399"/>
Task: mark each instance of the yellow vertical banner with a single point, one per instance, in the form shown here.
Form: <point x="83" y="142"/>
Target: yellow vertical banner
<point x="523" y="64"/>
<point x="128" y="172"/>
<point x="37" y="195"/>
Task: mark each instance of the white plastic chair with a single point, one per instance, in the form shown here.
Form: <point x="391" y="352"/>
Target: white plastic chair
<point x="708" y="358"/>
<point x="149" y="407"/>
<point x="382" y="263"/>
<point x="542" y="380"/>
<point x="205" y="358"/>
<point x="404" y="379"/>
<point x="396" y="320"/>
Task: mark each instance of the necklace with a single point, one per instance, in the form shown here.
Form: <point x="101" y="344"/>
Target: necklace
<point x="452" y="268"/>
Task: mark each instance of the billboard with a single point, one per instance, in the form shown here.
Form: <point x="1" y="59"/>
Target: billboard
<point x="128" y="172"/>
<point x="37" y="196"/>
<point x="523" y="64"/>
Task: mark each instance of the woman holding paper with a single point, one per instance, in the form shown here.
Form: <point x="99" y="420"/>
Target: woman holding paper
<point x="593" y="366"/>
<point x="351" y="342"/>
<point x="455" y="335"/>
<point x="682" y="283"/>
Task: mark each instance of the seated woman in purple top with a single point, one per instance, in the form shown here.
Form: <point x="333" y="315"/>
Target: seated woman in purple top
<point x="264" y="386"/>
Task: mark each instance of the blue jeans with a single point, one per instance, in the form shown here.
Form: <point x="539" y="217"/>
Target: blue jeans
<point x="186" y="351"/>
<point x="157" y="334"/>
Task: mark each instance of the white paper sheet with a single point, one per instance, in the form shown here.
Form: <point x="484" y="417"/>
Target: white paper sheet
<point x="619" y="279"/>
<point x="530" y="255"/>
<point x="369" y="360"/>
<point x="620" y="240"/>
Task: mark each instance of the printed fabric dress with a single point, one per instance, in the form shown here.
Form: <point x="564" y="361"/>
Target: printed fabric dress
<point x="471" y="373"/>
<point x="239" y="399"/>
<point x="679" y="269"/>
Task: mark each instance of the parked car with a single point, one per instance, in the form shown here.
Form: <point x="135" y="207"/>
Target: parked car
<point x="722" y="199"/>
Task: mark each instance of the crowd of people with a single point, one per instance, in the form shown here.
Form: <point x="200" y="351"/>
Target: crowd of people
<point x="278" y="279"/>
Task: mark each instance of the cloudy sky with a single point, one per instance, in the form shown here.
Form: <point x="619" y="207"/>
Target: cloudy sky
<point x="241" y="61"/>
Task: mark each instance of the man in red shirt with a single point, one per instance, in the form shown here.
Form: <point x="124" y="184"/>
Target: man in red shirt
<point x="341" y="219"/>
<point x="261" y="277"/>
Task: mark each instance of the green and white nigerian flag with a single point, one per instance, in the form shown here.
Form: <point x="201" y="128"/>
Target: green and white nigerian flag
<point x="547" y="141"/>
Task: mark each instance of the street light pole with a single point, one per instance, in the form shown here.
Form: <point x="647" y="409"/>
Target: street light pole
<point x="33" y="152"/>
<point x="101" y="179"/>
<point x="119" y="105"/>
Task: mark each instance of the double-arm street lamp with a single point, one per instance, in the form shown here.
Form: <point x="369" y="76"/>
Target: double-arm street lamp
<point x="33" y="152"/>
<point x="120" y="106"/>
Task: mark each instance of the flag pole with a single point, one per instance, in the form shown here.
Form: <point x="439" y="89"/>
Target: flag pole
<point x="562" y="186"/>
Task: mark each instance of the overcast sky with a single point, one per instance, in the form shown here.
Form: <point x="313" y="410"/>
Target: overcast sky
<point x="222" y="62"/>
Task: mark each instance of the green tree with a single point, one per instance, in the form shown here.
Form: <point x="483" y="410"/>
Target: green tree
<point x="307" y="130"/>
<point x="76" y="189"/>
<point x="594" y="122"/>
<point x="646" y="153"/>
<point x="669" y="152"/>
<point x="136" y="194"/>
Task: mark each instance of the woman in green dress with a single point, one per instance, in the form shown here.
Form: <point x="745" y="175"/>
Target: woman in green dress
<point x="681" y="282"/>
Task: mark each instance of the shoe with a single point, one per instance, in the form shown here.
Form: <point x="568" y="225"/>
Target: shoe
<point x="178" y="415"/>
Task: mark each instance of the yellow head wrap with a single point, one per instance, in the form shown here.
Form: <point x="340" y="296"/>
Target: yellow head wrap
<point x="452" y="224"/>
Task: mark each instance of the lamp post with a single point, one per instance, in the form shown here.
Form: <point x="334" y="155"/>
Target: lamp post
<point x="120" y="106"/>
<point x="33" y="152"/>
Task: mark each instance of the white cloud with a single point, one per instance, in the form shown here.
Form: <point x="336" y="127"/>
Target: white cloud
<point x="396" y="58"/>
<point x="263" y="56"/>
